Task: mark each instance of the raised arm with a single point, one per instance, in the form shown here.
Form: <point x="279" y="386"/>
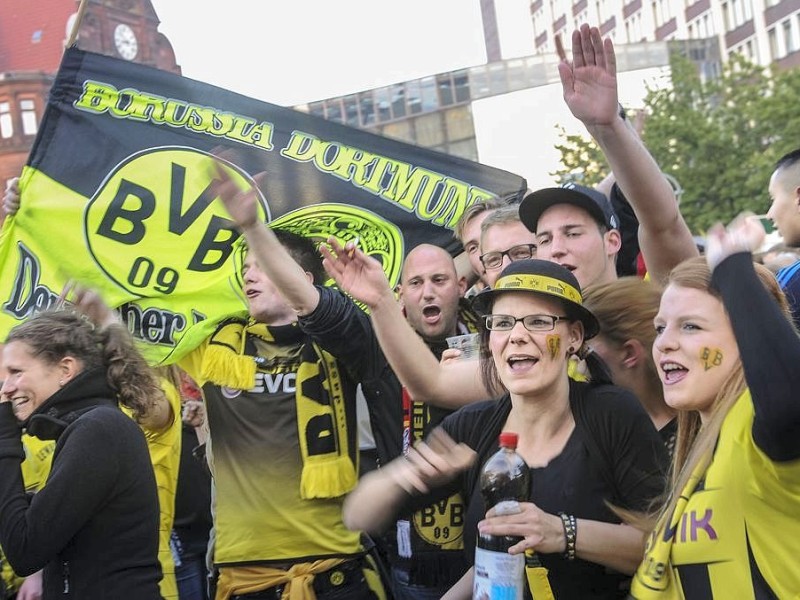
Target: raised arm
<point x="271" y="257"/>
<point x="590" y="90"/>
<point x="768" y="343"/>
<point x="449" y="386"/>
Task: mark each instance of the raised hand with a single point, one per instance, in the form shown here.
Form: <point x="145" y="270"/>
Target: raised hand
<point x="589" y="84"/>
<point x="89" y="303"/>
<point x="242" y="205"/>
<point x="744" y="234"/>
<point x="355" y="273"/>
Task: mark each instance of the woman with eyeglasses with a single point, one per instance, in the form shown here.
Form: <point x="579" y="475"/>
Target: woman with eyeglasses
<point x="587" y="445"/>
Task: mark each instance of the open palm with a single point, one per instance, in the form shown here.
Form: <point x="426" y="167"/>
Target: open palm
<point x="589" y="83"/>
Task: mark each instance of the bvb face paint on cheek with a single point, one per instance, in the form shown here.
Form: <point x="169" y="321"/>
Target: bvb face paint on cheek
<point x="711" y="357"/>
<point x="553" y="341"/>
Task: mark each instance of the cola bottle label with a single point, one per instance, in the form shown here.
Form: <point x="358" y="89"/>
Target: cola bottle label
<point x="498" y="575"/>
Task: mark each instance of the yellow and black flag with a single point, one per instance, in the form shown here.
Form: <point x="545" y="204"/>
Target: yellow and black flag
<point x="116" y="195"/>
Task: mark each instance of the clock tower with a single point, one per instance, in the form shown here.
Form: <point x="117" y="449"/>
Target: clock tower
<point x="127" y="29"/>
<point x="33" y="35"/>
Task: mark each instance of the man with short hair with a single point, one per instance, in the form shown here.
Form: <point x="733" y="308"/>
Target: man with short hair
<point x="468" y="232"/>
<point x="589" y="85"/>
<point x="784" y="189"/>
<point x="280" y="408"/>
<point x="577" y="228"/>
<point x="504" y="239"/>
<point x="276" y="285"/>
<point x="430" y="290"/>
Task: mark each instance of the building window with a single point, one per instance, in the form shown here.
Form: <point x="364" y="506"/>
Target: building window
<point x="633" y="28"/>
<point x="317" y="109"/>
<point x="383" y="104"/>
<point x="662" y="12"/>
<point x="736" y="13"/>
<point x="398" y="100"/>
<point x="367" y="108"/>
<point x="445" y="87"/>
<point x="430" y="100"/>
<point x="461" y="83"/>
<point x="333" y="110"/>
<point x="28" y="113"/>
<point x="747" y="49"/>
<point x="773" y="44"/>
<point x="708" y="26"/>
<point x="788" y="38"/>
<point x="6" y="123"/>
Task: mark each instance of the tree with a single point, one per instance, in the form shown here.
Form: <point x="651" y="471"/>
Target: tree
<point x="719" y="138"/>
<point x="583" y="161"/>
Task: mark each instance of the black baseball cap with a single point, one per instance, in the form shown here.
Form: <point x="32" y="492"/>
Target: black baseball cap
<point x="590" y="200"/>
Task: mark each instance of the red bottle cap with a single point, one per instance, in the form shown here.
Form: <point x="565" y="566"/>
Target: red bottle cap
<point x="508" y="439"/>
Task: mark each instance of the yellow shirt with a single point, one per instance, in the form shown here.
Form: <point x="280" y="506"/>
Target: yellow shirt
<point x="165" y="455"/>
<point x="740" y="524"/>
<point x="256" y="463"/>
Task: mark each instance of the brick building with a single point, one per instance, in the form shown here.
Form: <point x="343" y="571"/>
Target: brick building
<point x="32" y="39"/>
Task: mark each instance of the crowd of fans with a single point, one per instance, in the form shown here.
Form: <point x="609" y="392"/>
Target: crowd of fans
<point x="657" y="415"/>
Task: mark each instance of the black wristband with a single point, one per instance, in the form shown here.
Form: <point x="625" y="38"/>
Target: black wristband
<point x="570" y="534"/>
<point x="622" y="114"/>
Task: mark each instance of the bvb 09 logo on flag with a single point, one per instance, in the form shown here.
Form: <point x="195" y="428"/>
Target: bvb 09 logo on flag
<point x="138" y="223"/>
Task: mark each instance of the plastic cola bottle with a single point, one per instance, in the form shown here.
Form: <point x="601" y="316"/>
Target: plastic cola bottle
<point x="505" y="482"/>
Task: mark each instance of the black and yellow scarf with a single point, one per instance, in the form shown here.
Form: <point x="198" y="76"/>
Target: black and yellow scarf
<point x="231" y="360"/>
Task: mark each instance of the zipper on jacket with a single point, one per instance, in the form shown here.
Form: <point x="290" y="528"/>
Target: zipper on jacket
<point x="65" y="575"/>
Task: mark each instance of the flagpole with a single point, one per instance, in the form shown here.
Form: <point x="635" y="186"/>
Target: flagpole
<point x="77" y="24"/>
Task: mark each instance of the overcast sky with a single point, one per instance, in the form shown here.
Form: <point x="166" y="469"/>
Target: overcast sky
<point x="295" y="51"/>
<point x="291" y="52"/>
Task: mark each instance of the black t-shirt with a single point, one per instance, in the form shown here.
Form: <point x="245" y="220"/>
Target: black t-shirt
<point x="614" y="454"/>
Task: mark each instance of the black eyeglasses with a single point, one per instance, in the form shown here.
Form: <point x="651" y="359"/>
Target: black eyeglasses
<point x="494" y="260"/>
<point x="530" y="322"/>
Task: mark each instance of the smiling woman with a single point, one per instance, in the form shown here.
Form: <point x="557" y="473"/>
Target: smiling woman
<point x="586" y="444"/>
<point x="94" y="526"/>
<point x="727" y="355"/>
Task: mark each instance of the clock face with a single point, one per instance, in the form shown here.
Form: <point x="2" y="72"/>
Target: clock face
<point x="125" y="41"/>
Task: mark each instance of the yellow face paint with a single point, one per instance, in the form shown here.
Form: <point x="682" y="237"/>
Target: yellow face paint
<point x="553" y="344"/>
<point x="711" y="357"/>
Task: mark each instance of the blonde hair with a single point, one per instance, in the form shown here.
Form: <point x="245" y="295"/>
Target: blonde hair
<point x="625" y="309"/>
<point x="501" y="216"/>
<point x="695" y="441"/>
<point x="472" y="211"/>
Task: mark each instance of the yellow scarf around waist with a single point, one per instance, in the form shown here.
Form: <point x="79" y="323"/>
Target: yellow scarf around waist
<point x="298" y="579"/>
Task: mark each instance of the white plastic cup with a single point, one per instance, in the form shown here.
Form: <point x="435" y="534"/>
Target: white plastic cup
<point x="469" y="344"/>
